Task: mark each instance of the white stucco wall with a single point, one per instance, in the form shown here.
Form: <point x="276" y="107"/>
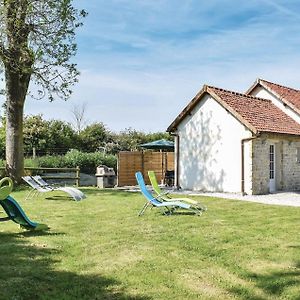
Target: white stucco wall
<point x="210" y="149"/>
<point x="263" y="93"/>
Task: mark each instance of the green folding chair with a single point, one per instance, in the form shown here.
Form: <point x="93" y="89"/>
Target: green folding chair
<point x="165" y="196"/>
<point x="166" y="207"/>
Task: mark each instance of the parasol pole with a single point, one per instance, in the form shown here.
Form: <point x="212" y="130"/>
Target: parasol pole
<point x="162" y="166"/>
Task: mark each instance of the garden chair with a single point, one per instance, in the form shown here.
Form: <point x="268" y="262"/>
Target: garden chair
<point x="36" y="188"/>
<point x="13" y="210"/>
<point x="165" y="195"/>
<point x="46" y="185"/>
<point x="166" y="207"/>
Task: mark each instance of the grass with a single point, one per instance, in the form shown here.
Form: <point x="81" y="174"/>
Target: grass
<point x="99" y="249"/>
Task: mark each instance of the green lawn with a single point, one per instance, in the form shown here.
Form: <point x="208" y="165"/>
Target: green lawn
<point x="100" y="249"/>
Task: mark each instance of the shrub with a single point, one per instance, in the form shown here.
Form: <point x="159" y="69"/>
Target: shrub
<point x="49" y="161"/>
<point x="87" y="162"/>
<point x="31" y="163"/>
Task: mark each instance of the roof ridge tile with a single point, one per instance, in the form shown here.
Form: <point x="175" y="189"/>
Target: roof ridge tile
<point x="277" y="84"/>
<point x="238" y="93"/>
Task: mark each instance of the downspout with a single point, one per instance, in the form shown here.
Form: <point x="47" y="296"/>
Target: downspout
<point x="243" y="161"/>
<point x="177" y="160"/>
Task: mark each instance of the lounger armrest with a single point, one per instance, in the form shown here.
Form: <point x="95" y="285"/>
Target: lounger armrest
<point x="165" y="193"/>
<point x="162" y="195"/>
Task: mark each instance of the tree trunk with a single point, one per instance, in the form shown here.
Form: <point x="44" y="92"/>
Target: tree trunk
<point x="16" y="88"/>
<point x="18" y="60"/>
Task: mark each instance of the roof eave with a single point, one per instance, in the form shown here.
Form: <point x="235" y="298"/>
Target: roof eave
<point x="233" y="112"/>
<point x="280" y="133"/>
<point x="191" y="105"/>
<point x="284" y="100"/>
<point x="253" y="86"/>
<point x="196" y="100"/>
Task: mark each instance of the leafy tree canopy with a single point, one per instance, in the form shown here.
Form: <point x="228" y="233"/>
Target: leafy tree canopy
<point x="37" y="41"/>
<point x="37" y="38"/>
<point x="35" y="133"/>
<point x="52" y="137"/>
<point x="93" y="137"/>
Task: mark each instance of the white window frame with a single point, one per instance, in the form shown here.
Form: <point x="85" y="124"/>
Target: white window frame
<point x="298" y="155"/>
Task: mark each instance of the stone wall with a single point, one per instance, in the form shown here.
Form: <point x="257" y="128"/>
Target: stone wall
<point x="287" y="171"/>
<point x="85" y="179"/>
<point x="291" y="168"/>
<point x="260" y="166"/>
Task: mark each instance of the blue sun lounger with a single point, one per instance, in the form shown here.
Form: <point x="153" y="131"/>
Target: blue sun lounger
<point x="166" y="207"/>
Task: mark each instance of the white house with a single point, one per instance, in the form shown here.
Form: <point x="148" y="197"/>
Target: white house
<point x="233" y="142"/>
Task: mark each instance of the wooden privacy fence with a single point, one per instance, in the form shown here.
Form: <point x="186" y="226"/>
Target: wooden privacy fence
<point x="130" y="162"/>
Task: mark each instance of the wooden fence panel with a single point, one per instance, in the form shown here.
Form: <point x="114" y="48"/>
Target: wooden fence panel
<point x="153" y="162"/>
<point x="128" y="164"/>
<point x="131" y="162"/>
<point x="170" y="161"/>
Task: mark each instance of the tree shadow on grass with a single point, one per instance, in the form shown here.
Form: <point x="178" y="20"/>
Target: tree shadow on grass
<point x="27" y="272"/>
<point x="274" y="284"/>
<point x="294" y="246"/>
<point x="28" y="233"/>
<point x="59" y="197"/>
<point x="115" y="193"/>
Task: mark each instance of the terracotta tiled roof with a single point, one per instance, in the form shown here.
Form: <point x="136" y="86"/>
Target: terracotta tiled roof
<point x="260" y="113"/>
<point x="257" y="114"/>
<point x="288" y="95"/>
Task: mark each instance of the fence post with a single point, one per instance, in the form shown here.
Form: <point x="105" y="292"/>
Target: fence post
<point x="77" y="176"/>
<point x="118" y="169"/>
<point x="143" y="164"/>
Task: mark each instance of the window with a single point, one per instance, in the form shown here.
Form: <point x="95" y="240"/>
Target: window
<point x="298" y="154"/>
<point x="271" y="161"/>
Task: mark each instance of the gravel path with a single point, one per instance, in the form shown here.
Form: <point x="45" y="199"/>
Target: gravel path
<point x="280" y="198"/>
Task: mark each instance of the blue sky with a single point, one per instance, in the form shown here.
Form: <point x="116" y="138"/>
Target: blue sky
<point x="141" y="61"/>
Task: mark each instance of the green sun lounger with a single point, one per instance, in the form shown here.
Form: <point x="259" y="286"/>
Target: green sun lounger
<point x="165" y="195"/>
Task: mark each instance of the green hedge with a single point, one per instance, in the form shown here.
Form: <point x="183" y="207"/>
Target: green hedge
<point x="87" y="162"/>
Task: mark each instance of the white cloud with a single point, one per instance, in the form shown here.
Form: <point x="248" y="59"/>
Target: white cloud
<point x="142" y="61"/>
<point x="283" y="8"/>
